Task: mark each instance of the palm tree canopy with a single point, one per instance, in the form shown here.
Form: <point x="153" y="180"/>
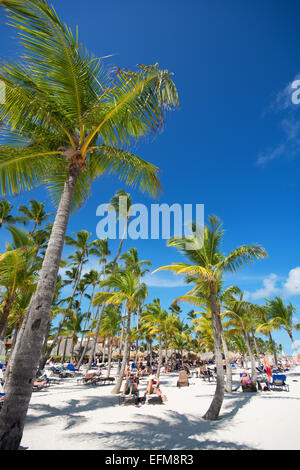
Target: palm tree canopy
<point x="63" y="109"/>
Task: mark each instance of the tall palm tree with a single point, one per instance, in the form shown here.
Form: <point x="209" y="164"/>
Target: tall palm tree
<point x="266" y="326"/>
<point x="82" y="243"/>
<point x="100" y="249"/>
<point x="133" y="263"/>
<point x="109" y="329"/>
<point x="73" y="328"/>
<point x="127" y="289"/>
<point x="283" y="316"/>
<point x="208" y="263"/>
<point x="242" y="314"/>
<point x="154" y="320"/>
<point x="35" y="213"/>
<point x="70" y="120"/>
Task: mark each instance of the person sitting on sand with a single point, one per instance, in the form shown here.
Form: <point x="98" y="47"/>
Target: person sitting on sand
<point x="130" y="385"/>
<point x="245" y="378"/>
<point x="247" y="384"/>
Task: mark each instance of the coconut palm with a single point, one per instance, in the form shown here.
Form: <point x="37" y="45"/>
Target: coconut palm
<point x="35" y="213"/>
<point x="100" y="249"/>
<point x="110" y="327"/>
<point x="201" y="297"/>
<point x="241" y="314"/>
<point x="266" y="326"/>
<point x="283" y="316"/>
<point x="5" y="214"/>
<point x="154" y="320"/>
<point x="208" y="264"/>
<point x="72" y="329"/>
<point x="129" y="290"/>
<point x="79" y="258"/>
<point x="70" y="120"/>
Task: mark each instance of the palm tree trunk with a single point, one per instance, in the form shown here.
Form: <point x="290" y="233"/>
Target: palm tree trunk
<point x="255" y="344"/>
<point x="121" y="342"/>
<point x="252" y="358"/>
<point x="28" y="351"/>
<point x="92" y="355"/>
<point x="118" y="385"/>
<point x="65" y="349"/>
<point x="216" y="404"/>
<point x="160" y="354"/>
<point x="5" y="314"/>
<point x="109" y="357"/>
<point x="274" y="350"/>
<point x="228" y="386"/>
<point x="293" y="342"/>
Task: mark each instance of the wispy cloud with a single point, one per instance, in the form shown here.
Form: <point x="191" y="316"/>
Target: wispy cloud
<point x="153" y="280"/>
<point x="273" y="285"/>
<point x="290" y="127"/>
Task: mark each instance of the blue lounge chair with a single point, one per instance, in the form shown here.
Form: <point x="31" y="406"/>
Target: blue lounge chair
<point x="279" y="382"/>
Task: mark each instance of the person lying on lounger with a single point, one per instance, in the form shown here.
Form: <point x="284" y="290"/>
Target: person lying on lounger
<point x="153" y="387"/>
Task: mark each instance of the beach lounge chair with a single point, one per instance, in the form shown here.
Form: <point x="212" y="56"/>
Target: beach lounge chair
<point x="90" y="378"/>
<point x="128" y="396"/>
<point x="279" y="383"/>
<point x="105" y="380"/>
<point x="183" y="380"/>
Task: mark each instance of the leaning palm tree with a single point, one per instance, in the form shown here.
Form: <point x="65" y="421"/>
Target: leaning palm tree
<point x="283" y="316"/>
<point x="69" y="121"/>
<point x="207" y="263"/>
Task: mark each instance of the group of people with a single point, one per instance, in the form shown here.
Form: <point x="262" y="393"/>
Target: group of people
<point x="132" y="377"/>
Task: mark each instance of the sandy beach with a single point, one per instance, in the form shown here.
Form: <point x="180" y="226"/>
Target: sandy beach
<point x="72" y="416"/>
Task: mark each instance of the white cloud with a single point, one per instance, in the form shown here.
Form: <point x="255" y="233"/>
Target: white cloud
<point x="292" y="284"/>
<point x="155" y="281"/>
<point x="272" y="286"/>
<point x="290" y="126"/>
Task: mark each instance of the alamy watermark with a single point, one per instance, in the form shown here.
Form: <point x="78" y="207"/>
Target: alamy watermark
<point x="160" y="222"/>
<point x="2" y="92"/>
<point x="296" y="94"/>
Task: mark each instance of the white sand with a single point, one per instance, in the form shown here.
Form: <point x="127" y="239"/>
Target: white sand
<point x="72" y="416"/>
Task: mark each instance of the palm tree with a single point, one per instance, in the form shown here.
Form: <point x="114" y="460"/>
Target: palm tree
<point x="208" y="264"/>
<point x="73" y="328"/>
<point x="265" y="325"/>
<point x="35" y="213"/>
<point x="69" y="119"/>
<point x="154" y="320"/>
<point x="200" y="297"/>
<point x="282" y="316"/>
<point x="18" y="267"/>
<point x="5" y="214"/>
<point x="129" y="290"/>
<point x="242" y="314"/>
<point x="81" y="241"/>
<point x="109" y="329"/>
<point x="100" y="249"/>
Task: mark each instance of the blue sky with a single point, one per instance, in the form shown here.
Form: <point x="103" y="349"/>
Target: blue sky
<point x="234" y="143"/>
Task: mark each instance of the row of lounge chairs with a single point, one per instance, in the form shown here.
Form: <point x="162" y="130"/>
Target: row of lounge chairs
<point x="94" y="378"/>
